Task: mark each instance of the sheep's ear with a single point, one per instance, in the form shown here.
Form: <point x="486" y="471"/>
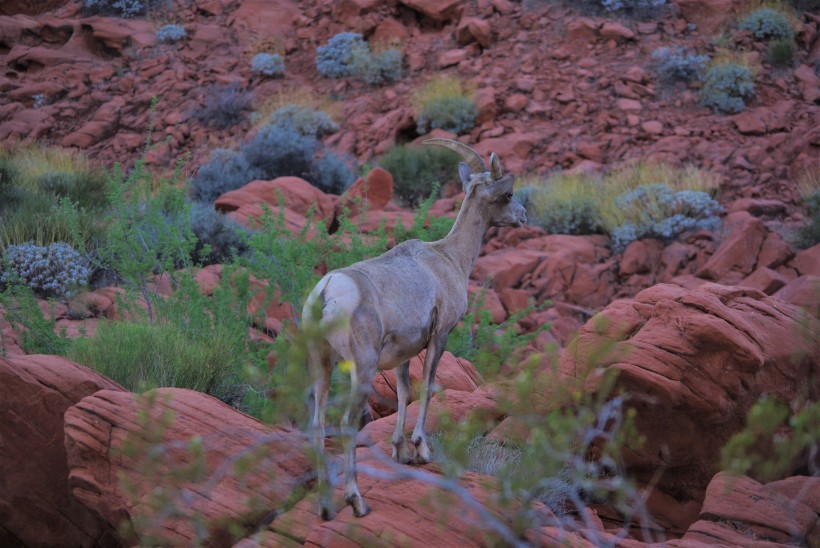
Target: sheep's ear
<point x="466" y="176"/>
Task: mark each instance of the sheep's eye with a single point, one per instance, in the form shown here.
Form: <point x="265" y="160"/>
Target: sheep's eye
<point x="509" y="196"/>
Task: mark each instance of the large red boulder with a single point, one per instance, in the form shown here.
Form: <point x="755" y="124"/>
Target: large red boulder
<point x="295" y="194"/>
<point x="176" y="466"/>
<point x="739" y="511"/>
<point x="692" y="362"/>
<point x="36" y="505"/>
<point x="452" y="373"/>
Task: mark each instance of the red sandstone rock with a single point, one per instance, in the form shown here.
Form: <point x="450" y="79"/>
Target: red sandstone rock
<point x="36" y="506"/>
<point x="739" y="250"/>
<point x="506" y="267"/>
<point x="764" y="279"/>
<point x="298" y="195"/>
<point x="739" y="509"/>
<point x="708" y="15"/>
<point x="100" y="428"/>
<point x="373" y="194"/>
<point x="452" y="373"/>
<point x="803" y="292"/>
<point x="614" y="29"/>
<point x="693" y="362"/>
<point x="808" y="261"/>
<point x="473" y="29"/>
<point x="442" y="10"/>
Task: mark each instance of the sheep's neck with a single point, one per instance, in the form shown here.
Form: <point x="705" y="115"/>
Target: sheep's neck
<point x="463" y="243"/>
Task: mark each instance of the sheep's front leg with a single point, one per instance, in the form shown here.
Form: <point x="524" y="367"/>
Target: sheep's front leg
<point x="434" y="351"/>
<point x="400" y="453"/>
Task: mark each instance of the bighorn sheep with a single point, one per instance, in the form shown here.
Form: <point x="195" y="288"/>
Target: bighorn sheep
<point x="380" y="312"/>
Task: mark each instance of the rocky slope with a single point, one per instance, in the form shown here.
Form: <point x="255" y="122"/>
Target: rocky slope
<point x="702" y="327"/>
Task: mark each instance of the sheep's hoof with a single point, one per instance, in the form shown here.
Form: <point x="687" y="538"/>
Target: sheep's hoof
<point x="401" y="455"/>
<point x="360" y="508"/>
<point x="423" y="455"/>
<point x="327" y="513"/>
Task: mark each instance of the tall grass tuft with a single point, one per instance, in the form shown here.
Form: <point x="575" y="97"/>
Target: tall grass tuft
<point x="444" y="103"/>
<point x="141" y="356"/>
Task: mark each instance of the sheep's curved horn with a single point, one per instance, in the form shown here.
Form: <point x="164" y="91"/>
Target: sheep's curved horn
<point x="495" y="167"/>
<point x="470" y="156"/>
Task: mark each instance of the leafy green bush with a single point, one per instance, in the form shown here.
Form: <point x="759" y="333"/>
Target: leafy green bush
<point x="768" y="23"/>
<point x="487" y="345"/>
<point x="780" y="53"/>
<point x="443" y="103"/>
<point x="809" y="233"/>
<point x="416" y="169"/>
<point x="346" y="54"/>
<point x="35" y="332"/>
<point x="727" y="87"/>
<point x="764" y="450"/>
<point x="218" y="238"/>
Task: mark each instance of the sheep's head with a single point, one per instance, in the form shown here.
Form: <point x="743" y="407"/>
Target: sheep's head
<point x="489" y="187"/>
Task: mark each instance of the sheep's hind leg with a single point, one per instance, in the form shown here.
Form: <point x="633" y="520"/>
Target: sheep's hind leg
<point x="360" y="385"/>
<point x="320" y="369"/>
<point x="400" y="452"/>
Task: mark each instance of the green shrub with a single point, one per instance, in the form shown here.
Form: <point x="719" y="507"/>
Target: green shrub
<point x="277" y="150"/>
<point x="674" y="65"/>
<point x="268" y="64"/>
<point x="346" y="54"/>
<point x="809" y="233"/>
<point x="565" y="205"/>
<point x="170" y="34"/>
<point x="225" y="107"/>
<point x="55" y="270"/>
<point x="35" y="332"/>
<point x="638" y="9"/>
<point x="780" y="53"/>
<point x="218" y="238"/>
<point x="226" y="170"/>
<point x="442" y="103"/>
<point x="806" y="5"/>
<point x="487" y="345"/>
<point x="141" y="356"/>
<point x="43" y="221"/>
<point x="656" y="211"/>
<point x="776" y="435"/>
<point x="416" y="169"/>
<point x="305" y="121"/>
<point x="767" y="23"/>
<point x="48" y="173"/>
<point x="727" y="87"/>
